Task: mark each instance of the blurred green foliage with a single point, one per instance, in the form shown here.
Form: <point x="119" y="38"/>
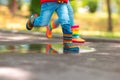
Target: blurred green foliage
<point x="92" y="4"/>
<point x="35" y="6"/>
<point x="89" y="22"/>
<point x="118" y="5"/>
<point x="73" y="2"/>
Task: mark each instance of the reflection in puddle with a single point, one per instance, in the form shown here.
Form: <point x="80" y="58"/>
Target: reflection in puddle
<point x="42" y="48"/>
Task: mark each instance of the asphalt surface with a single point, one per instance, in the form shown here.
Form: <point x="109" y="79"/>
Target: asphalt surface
<point x="101" y="64"/>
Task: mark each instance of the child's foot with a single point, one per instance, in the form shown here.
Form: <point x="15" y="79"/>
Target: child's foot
<point x="48" y="32"/>
<point x="50" y="50"/>
<point x="50" y="27"/>
<point x="48" y="47"/>
<point x="29" y="24"/>
<point x="78" y="40"/>
<point x="75" y="35"/>
<point x="71" y="49"/>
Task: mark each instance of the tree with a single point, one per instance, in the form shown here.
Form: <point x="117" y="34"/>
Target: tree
<point x="35" y="6"/>
<point x="118" y="4"/>
<point x="110" y="27"/>
<point x="92" y="4"/>
<point x="13" y="6"/>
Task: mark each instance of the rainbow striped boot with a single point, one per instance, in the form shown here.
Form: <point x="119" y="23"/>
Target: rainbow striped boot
<point x="30" y="22"/>
<point x="75" y="35"/>
<point x="67" y="43"/>
<point x="50" y="50"/>
<point x="49" y="28"/>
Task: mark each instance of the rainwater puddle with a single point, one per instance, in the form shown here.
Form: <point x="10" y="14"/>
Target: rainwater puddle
<point x="42" y="48"/>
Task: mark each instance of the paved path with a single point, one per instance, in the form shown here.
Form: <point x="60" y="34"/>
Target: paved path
<point x="102" y="64"/>
<point x="8" y="37"/>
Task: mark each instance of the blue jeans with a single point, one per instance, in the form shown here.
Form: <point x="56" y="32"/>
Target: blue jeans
<point x="70" y="13"/>
<point x="47" y="9"/>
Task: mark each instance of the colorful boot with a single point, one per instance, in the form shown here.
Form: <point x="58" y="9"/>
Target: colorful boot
<point x="75" y="35"/>
<point x="50" y="50"/>
<point x="67" y="43"/>
<point x="30" y="22"/>
<point x="49" y="28"/>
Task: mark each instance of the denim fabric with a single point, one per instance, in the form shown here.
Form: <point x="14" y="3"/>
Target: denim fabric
<point x="70" y="13"/>
<point x="47" y="9"/>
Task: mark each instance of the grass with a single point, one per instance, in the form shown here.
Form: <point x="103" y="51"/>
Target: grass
<point x="90" y="24"/>
<point x="103" y="34"/>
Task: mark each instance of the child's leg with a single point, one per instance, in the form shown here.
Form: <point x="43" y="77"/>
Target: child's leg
<point x="64" y="19"/>
<point x="75" y="29"/>
<point x="67" y="39"/>
<point x="53" y="24"/>
<point x="75" y="34"/>
<point x="29" y="24"/>
<point x="70" y="13"/>
<point x="45" y="15"/>
<point x="50" y="50"/>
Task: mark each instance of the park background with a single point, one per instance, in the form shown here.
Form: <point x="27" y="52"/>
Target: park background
<point x="97" y="18"/>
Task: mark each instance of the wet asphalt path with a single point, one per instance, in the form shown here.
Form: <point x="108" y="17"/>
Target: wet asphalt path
<point x="102" y="64"/>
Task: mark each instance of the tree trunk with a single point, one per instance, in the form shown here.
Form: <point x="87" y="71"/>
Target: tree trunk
<point x="13" y="6"/>
<point x="110" y="27"/>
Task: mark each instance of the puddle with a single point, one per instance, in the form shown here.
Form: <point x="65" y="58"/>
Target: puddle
<point x="42" y="48"/>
